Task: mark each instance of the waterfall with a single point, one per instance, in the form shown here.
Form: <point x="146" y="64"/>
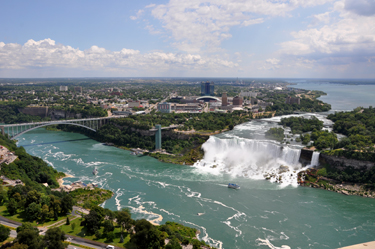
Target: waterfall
<point x="248" y="158"/>
<point x="315" y="159"/>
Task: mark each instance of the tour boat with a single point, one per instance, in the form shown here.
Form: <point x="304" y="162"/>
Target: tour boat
<point x="95" y="171"/>
<point x="232" y="185"/>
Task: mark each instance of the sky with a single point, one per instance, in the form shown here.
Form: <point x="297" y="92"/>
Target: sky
<point x="195" y="38"/>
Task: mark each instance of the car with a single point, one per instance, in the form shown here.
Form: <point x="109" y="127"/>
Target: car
<point x="110" y="247"/>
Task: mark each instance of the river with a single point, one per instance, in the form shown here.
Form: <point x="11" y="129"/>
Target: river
<point x="261" y="214"/>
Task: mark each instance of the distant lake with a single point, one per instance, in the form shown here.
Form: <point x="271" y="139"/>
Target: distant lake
<point x="341" y="97"/>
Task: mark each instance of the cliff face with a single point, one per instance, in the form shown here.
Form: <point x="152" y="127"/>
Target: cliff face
<point x="341" y="163"/>
<point x="45" y="112"/>
<point x="305" y="156"/>
<point x="35" y="111"/>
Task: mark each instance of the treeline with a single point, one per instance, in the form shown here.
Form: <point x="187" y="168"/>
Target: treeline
<point x="359" y="127"/>
<point x="30" y="169"/>
<point x="10" y="114"/>
<point x="28" y="238"/>
<point x="87" y="110"/>
<point x="299" y="124"/>
<point x="102" y="222"/>
<point x="188" y="121"/>
<point x="350" y="174"/>
<point x="33" y="205"/>
<point x="306" y="105"/>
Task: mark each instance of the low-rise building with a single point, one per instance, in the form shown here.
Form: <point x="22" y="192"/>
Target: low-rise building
<point x="165" y="107"/>
<point x="63" y="88"/>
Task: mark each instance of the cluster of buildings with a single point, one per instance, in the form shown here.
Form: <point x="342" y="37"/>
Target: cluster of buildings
<point x="208" y="102"/>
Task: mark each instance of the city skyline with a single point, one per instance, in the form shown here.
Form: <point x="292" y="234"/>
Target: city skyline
<point x="257" y="38"/>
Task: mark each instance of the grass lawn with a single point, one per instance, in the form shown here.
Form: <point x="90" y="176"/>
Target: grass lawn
<point x="81" y="232"/>
<point x="22" y="217"/>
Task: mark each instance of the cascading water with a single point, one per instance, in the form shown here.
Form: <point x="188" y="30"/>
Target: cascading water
<point x="315" y="159"/>
<point x="251" y="158"/>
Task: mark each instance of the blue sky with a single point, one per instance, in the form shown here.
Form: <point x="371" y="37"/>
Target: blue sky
<point x="210" y="38"/>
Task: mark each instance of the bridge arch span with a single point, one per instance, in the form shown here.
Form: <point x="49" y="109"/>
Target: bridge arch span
<point x="42" y="125"/>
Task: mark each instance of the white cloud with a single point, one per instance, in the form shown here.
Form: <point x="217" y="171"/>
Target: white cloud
<point x="350" y="34"/>
<point x="273" y="61"/>
<point x="321" y="18"/>
<point x="139" y="14"/>
<point x="49" y="54"/>
<point x="203" y="24"/>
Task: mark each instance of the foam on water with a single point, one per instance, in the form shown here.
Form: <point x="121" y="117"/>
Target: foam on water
<point x="249" y="158"/>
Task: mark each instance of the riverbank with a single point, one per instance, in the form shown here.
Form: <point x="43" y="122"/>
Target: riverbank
<point x="312" y="178"/>
<point x="60" y="181"/>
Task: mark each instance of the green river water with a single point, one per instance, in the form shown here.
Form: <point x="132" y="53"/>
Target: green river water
<point x="259" y="215"/>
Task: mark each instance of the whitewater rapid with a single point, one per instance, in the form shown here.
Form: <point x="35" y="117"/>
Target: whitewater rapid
<point x="245" y="152"/>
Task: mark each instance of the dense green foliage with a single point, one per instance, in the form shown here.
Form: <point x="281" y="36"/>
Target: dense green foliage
<point x="28" y="168"/>
<point x="306" y="104"/>
<point x="88" y="198"/>
<point x="146" y="235"/>
<point x="324" y="139"/>
<point x="275" y="134"/>
<point x="4" y="233"/>
<point x="300" y="124"/>
<point x="350" y="174"/>
<point x="188" y="121"/>
<point x="359" y="127"/>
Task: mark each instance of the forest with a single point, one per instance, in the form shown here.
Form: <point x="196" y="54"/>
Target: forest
<point x="209" y="122"/>
<point x="359" y="127"/>
<point x="299" y="124"/>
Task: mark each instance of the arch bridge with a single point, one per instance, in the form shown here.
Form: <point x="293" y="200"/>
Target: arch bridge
<point x="15" y="130"/>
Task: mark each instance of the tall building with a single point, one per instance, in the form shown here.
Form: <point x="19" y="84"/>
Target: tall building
<point x="224" y="99"/>
<point x="63" y="88"/>
<point x="237" y="101"/>
<point x="77" y="89"/>
<point x="292" y="100"/>
<point x="207" y="88"/>
<point x="158" y="137"/>
<point x="164" y="107"/>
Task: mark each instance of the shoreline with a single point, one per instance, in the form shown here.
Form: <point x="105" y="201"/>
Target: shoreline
<point x="331" y="185"/>
<point x="60" y="181"/>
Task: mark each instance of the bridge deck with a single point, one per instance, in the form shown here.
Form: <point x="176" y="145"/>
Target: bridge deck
<point x="62" y="121"/>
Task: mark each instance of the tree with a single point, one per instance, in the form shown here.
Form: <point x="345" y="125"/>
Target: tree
<point x="12" y="207"/>
<point x="18" y="246"/>
<point x="28" y="235"/>
<point x="173" y="244"/>
<point x="110" y="236"/>
<point x="66" y="204"/>
<point x="92" y="222"/>
<point x="33" y="211"/>
<point x="54" y="238"/>
<point x="146" y="235"/>
<point x="73" y="225"/>
<point x="67" y="221"/>
<point x="44" y="212"/>
<point x="124" y="220"/>
<point x="98" y="234"/>
<point x="32" y="197"/>
<point x="108" y="227"/>
<point x="4" y="233"/>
